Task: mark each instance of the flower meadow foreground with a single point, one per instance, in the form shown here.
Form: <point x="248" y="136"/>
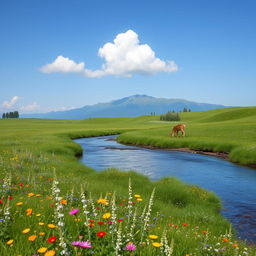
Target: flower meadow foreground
<point x="38" y="221"/>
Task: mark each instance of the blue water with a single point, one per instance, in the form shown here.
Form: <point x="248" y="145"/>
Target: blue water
<point x="234" y="184"/>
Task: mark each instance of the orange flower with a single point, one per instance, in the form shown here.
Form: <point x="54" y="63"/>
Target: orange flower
<point x="50" y="253"/>
<point x="63" y="201"/>
<point x="204" y="232"/>
<point x="32" y="238"/>
<point x="30" y="194"/>
<point x="225" y="240"/>
<point x="235" y="245"/>
<point x="29" y="211"/>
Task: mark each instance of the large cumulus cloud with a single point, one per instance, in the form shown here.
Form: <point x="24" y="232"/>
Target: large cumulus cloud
<point x="124" y="57"/>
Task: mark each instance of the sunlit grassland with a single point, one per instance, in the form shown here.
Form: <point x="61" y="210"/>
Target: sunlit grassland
<point x="32" y="150"/>
<point x="231" y="130"/>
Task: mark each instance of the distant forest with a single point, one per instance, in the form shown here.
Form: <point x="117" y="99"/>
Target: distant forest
<point x="14" y="114"/>
<point x="172" y="115"/>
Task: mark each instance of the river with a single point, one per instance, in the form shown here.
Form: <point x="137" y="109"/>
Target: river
<point x="234" y="184"/>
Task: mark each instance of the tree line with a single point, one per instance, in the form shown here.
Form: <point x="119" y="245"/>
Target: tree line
<point x="172" y="115"/>
<point x="14" y="114"/>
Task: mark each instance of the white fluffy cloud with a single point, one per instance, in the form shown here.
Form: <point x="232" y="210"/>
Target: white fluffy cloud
<point x="124" y="57"/>
<point x="10" y="104"/>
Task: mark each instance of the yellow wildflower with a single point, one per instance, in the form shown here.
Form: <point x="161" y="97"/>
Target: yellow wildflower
<point x="156" y="244"/>
<point x="10" y="242"/>
<point x="30" y="194"/>
<point x="41" y="234"/>
<point x="136" y="196"/>
<point x="40" y="223"/>
<point x="51" y="226"/>
<point x="42" y="250"/>
<point x="153" y="237"/>
<point x="25" y="231"/>
<point x="38" y="215"/>
<point x="106" y="215"/>
<point x="19" y="203"/>
<point x="139" y="199"/>
<point x="102" y="201"/>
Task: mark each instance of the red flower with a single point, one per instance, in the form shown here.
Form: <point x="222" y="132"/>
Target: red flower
<point x="10" y="197"/>
<point x="100" y="222"/>
<point x="120" y="220"/>
<point x="184" y="224"/>
<point x="52" y="239"/>
<point x="91" y="221"/>
<point x="1" y="202"/>
<point x="91" y="225"/>
<point x="101" y="234"/>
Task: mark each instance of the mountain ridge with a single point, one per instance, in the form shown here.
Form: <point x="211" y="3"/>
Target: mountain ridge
<point x="131" y="106"/>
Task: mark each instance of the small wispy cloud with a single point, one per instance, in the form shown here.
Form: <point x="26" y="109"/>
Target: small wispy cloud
<point x="30" y="107"/>
<point x="124" y="57"/>
<point x="10" y="104"/>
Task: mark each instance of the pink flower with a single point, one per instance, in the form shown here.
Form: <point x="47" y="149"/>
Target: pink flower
<point x="82" y="244"/>
<point x="74" y="212"/>
<point x="85" y="244"/>
<point x="130" y="247"/>
<point x="76" y="243"/>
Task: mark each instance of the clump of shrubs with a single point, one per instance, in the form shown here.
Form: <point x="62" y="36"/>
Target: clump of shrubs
<point x="170" y="116"/>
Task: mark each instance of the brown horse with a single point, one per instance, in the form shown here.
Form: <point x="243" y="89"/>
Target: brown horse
<point x="178" y="128"/>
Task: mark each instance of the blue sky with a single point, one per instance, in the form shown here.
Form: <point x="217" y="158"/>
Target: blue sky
<point x="212" y="45"/>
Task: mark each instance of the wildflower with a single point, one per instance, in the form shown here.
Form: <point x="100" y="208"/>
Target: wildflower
<point x="225" y="240"/>
<point x="64" y="202"/>
<point x="40" y="223"/>
<point x="106" y="215"/>
<point x="153" y="237"/>
<point x="10" y="242"/>
<point x="130" y="247"/>
<point x="101" y="234"/>
<point x="32" y="238"/>
<point x="42" y="250"/>
<point x="50" y="253"/>
<point x="19" y="203"/>
<point x="52" y="239"/>
<point x="204" y="232"/>
<point x="30" y="194"/>
<point x="139" y="199"/>
<point x="102" y="201"/>
<point x="74" y="212"/>
<point x="85" y="244"/>
<point x="29" y="211"/>
<point x="25" y="231"/>
<point x="38" y="215"/>
<point x="184" y="224"/>
<point x="235" y="245"/>
<point x="120" y="220"/>
<point x="1" y="202"/>
<point x="156" y="244"/>
<point x="41" y="234"/>
<point x="51" y="226"/>
<point x="100" y="223"/>
<point x="76" y="243"/>
<point x="136" y="196"/>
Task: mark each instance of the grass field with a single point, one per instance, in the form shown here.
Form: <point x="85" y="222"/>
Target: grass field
<point x="43" y="183"/>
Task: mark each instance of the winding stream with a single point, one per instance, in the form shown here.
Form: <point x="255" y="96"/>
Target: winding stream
<point x="234" y="184"/>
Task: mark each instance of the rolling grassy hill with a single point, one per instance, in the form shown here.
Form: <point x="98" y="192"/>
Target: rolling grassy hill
<point x="32" y="150"/>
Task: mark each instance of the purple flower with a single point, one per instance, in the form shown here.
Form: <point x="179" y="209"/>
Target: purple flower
<point x="76" y="243"/>
<point x="130" y="247"/>
<point x="74" y="212"/>
<point x="85" y="244"/>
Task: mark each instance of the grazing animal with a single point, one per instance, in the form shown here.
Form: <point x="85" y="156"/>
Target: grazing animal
<point x="178" y="128"/>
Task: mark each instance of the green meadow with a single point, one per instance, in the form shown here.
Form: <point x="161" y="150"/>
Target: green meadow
<point x="51" y="204"/>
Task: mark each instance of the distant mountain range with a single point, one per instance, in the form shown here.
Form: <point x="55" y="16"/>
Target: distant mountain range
<point x="132" y="106"/>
